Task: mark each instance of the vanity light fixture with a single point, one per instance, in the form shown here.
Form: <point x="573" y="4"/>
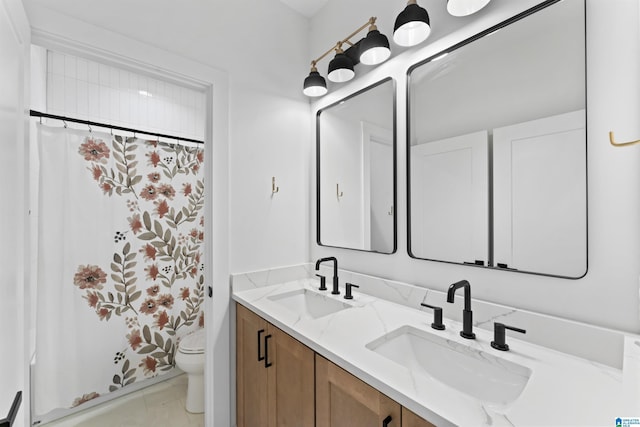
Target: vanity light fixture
<point x="370" y="50"/>
<point x="340" y="67"/>
<point x="465" y="7"/>
<point x="412" y="25"/>
<point x="374" y="49"/>
<point x="314" y="84"/>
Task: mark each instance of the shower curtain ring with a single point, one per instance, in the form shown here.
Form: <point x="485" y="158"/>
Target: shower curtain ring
<point x="89" y="126"/>
<point x="65" y="124"/>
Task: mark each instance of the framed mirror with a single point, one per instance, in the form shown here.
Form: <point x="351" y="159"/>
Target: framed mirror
<point x="496" y="147"/>
<point x="356" y="176"/>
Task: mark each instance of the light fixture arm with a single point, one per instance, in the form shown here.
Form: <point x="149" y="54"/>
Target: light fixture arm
<point x="347" y="40"/>
<point x="370" y="22"/>
<point x="369" y="50"/>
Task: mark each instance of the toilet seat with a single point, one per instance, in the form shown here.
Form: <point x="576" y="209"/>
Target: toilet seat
<point x="193" y="343"/>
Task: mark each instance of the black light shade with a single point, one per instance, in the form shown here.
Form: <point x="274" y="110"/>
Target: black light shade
<point x="374" y="48"/>
<point x="465" y="7"/>
<point x="340" y="68"/>
<point x="314" y="84"/>
<point x="412" y="26"/>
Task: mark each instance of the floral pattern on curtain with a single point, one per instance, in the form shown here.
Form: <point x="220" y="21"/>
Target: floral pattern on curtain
<point x="164" y="234"/>
<point x="152" y="287"/>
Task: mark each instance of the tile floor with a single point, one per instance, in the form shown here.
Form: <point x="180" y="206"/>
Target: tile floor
<point x="160" y="405"/>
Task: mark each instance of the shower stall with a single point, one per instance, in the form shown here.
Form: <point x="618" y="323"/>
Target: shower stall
<point x="117" y="218"/>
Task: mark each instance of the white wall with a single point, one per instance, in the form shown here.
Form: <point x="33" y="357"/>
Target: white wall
<point x="608" y="294"/>
<point x="269" y="138"/>
<point x="341" y="157"/>
<point x="90" y="90"/>
<point x="14" y="71"/>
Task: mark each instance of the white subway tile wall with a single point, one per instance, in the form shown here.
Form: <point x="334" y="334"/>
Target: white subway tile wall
<point x="89" y="90"/>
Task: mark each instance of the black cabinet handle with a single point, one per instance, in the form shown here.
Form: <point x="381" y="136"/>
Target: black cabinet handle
<point x="266" y="351"/>
<point x="260" y="356"/>
<point x="387" y="421"/>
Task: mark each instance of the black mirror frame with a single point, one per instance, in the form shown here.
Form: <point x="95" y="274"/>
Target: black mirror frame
<point x="452" y="48"/>
<point x="395" y="172"/>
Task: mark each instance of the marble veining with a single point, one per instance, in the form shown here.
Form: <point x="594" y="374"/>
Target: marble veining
<point x="262" y="278"/>
<point x="492" y="319"/>
<point x="563" y="388"/>
<point x="489" y="420"/>
<point x="594" y="343"/>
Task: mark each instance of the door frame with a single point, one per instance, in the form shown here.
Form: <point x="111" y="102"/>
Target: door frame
<point x="84" y="40"/>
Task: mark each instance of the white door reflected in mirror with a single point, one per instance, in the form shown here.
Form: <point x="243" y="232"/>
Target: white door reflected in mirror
<point x="497" y="147"/>
<point x="449" y="179"/>
<point x="540" y="193"/>
<point x="356" y="186"/>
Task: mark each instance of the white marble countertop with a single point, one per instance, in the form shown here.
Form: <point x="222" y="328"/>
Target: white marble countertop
<point x="563" y="390"/>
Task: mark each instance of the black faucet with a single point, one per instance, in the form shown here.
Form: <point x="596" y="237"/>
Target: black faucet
<point x="467" y="314"/>
<point x="335" y="290"/>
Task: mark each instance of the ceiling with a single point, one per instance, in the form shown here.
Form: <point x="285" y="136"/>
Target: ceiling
<point x="218" y="33"/>
<point x="306" y="8"/>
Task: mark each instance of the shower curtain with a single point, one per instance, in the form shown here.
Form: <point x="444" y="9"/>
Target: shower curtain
<point x="120" y="261"/>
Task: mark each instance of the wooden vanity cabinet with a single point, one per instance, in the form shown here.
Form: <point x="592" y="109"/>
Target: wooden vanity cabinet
<point x="275" y="375"/>
<point x="409" y="419"/>
<point x="283" y="383"/>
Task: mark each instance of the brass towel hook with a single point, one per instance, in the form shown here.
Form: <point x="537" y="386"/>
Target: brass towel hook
<point x="621" y="144"/>
<point x="338" y="192"/>
<point x="274" y="189"/>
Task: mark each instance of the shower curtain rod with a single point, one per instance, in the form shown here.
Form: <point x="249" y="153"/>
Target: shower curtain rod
<point x="34" y="113"/>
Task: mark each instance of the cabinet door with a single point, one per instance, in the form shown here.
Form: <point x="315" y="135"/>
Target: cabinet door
<point x="290" y="381"/>
<point x="409" y="419"/>
<point x="251" y="375"/>
<point x="343" y="400"/>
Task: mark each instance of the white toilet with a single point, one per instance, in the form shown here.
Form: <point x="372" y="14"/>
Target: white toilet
<point x="190" y="358"/>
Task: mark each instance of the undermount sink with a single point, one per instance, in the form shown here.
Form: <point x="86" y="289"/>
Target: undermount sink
<point x="473" y="372"/>
<point x="307" y="303"/>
